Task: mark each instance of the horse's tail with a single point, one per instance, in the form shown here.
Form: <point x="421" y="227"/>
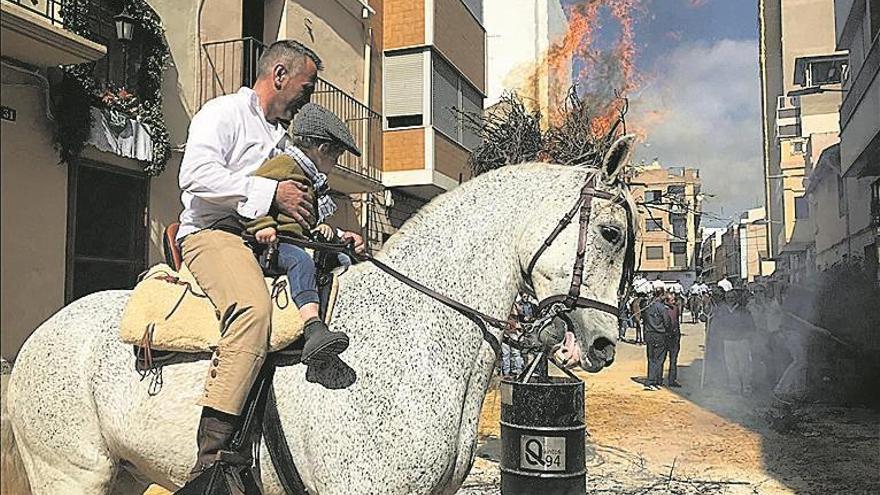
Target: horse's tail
<point x="14" y="480"/>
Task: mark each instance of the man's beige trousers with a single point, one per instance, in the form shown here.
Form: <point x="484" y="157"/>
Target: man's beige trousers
<point x="228" y="272"/>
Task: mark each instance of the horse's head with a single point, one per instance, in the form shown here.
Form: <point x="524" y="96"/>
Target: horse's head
<point x="608" y="258"/>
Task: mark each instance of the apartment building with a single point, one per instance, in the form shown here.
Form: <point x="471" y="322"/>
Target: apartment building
<point x="100" y="216"/>
<point x="670" y="236"/>
<point x="857" y="31"/>
<point x="797" y="51"/>
<point x="710" y="269"/>
<point x="434" y="61"/>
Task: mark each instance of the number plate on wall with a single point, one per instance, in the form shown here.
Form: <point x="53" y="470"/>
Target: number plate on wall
<point x="542" y="453"/>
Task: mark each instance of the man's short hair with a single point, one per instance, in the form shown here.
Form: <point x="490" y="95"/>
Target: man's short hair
<point x="291" y="54"/>
<point x="309" y="142"/>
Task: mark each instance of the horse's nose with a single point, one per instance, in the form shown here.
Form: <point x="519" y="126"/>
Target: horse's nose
<point x="602" y="351"/>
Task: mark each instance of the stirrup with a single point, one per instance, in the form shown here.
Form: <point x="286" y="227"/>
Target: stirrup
<point x="231" y="474"/>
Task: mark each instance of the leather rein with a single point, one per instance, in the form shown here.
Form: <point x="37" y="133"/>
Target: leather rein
<point x="551" y="307"/>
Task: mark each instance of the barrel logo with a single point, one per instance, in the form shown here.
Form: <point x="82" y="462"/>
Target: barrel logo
<point x="542" y="453"/>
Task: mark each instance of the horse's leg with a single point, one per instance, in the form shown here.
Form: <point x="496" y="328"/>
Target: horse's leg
<point x="81" y="468"/>
<point x="470" y="417"/>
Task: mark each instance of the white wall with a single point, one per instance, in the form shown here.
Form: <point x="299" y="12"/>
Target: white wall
<point x="518" y="34"/>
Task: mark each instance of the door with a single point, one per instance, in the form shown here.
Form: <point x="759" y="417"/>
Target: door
<point x="252" y="16"/>
<point x="107" y="228"/>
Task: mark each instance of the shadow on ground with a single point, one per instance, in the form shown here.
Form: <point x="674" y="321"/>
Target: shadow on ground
<point x="810" y="448"/>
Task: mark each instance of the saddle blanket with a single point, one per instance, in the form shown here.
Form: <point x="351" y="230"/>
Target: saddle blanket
<point x="168" y="311"/>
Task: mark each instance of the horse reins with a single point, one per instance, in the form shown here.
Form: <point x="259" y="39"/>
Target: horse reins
<point x="551" y="307"/>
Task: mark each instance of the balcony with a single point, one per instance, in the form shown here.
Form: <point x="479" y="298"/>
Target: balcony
<point x="33" y="32"/>
<point x="228" y="65"/>
<point x="788" y="117"/>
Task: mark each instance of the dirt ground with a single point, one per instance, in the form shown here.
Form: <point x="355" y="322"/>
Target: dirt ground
<point x="710" y="441"/>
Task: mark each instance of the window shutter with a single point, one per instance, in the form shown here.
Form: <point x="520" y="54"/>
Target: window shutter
<point x="403" y="84"/>
<point x="444" y="98"/>
<point x="472" y="104"/>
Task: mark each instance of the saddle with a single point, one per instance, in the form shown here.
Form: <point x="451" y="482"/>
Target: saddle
<point x="169" y="318"/>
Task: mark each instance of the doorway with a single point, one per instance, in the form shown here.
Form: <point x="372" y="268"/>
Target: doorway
<point x="106" y="228"/>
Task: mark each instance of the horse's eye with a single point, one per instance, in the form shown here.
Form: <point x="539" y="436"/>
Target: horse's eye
<point x="610" y="233"/>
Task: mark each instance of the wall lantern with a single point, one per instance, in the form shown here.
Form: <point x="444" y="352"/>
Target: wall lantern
<point x="124" y="25"/>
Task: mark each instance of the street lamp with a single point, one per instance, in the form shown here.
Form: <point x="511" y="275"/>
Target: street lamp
<point x="124" y="26"/>
<point x="124" y="32"/>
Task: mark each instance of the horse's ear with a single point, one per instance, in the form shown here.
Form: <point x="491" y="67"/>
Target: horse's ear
<point x="617" y="157"/>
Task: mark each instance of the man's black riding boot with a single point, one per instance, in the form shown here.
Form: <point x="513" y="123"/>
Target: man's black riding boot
<point x="320" y="343"/>
<point x="215" y="432"/>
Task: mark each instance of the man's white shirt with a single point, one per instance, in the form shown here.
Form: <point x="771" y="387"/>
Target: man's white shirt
<point x="229" y="138"/>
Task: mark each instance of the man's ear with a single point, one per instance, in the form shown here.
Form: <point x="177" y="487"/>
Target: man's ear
<point x="278" y="73"/>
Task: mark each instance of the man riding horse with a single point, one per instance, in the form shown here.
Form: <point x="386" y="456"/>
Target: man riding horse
<point x="229" y="139"/>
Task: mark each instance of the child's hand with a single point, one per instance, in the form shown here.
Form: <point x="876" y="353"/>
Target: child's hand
<point x="266" y="235"/>
<point x="326" y="231"/>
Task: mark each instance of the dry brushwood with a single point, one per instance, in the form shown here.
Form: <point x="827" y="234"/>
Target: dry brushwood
<point x="511" y="134"/>
<point x="573" y="141"/>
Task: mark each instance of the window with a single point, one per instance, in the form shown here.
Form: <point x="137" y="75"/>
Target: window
<point x="841" y="196"/>
<point x="653" y="224"/>
<point x="404" y="90"/>
<point x="875" y="203"/>
<point x="788" y="131"/>
<point x="797" y="148"/>
<point x="654" y="252"/>
<point x="820" y="70"/>
<point x="679" y="225"/>
<point x="450" y="92"/>
<point x="653" y="196"/>
<point x="801" y="208"/>
<point x="679" y="254"/>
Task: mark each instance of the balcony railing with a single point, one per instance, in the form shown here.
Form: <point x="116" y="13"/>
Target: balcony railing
<point x="229" y="65"/>
<point x="48" y="9"/>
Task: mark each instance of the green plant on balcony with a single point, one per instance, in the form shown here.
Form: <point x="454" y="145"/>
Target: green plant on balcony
<point x="80" y="90"/>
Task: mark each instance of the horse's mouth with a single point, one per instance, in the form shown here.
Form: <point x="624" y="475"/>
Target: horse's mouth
<point x="598" y="356"/>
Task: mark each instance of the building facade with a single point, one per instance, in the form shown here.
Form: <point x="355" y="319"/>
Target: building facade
<point x="670" y="234"/>
<point x="434" y="63"/>
<point x="797" y="50"/>
<point x="517" y="47"/>
<point x="100" y="216"/>
<point x="857" y="31"/>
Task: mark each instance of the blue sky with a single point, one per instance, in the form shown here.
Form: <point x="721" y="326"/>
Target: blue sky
<point x="698" y="103"/>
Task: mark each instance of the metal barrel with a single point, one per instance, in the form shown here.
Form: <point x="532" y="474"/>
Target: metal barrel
<point x="543" y="437"/>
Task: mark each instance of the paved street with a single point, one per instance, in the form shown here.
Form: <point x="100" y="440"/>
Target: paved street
<point x="639" y="437"/>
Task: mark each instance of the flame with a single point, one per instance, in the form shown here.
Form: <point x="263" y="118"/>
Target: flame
<point x="602" y="74"/>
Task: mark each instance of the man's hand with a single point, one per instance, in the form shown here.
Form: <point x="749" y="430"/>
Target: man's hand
<point x="267" y="235"/>
<point x="293" y="199"/>
<point x="326" y="231"/>
<point x="359" y="246"/>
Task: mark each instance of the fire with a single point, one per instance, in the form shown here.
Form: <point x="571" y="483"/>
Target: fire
<point x="601" y="74"/>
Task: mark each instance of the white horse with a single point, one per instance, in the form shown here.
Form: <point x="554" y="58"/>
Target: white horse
<point x="84" y="423"/>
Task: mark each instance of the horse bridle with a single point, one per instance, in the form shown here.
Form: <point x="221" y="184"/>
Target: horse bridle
<point x="556" y="306"/>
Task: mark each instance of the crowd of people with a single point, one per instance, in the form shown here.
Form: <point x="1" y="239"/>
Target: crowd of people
<point x="750" y="342"/>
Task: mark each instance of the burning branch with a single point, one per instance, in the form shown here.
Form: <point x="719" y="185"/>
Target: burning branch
<point x="511" y="134"/>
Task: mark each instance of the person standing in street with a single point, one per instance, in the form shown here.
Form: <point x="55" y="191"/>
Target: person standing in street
<point x="736" y="329"/>
<point x="673" y="340"/>
<point x="657" y="324"/>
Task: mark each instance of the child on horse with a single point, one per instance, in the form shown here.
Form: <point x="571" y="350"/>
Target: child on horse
<point x="318" y="139"/>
